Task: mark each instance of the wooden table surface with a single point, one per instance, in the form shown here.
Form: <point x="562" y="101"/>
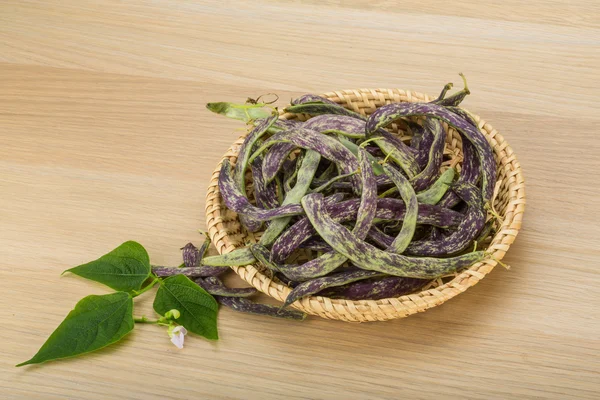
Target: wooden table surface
<point x="104" y="138"/>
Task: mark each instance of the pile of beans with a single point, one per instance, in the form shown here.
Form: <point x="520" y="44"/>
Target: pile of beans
<point x="377" y="217"/>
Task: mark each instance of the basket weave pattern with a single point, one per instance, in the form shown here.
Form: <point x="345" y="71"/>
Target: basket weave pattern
<point x="509" y="202"/>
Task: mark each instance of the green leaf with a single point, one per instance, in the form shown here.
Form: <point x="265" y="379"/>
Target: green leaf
<point x="95" y="322"/>
<point x="198" y="308"/>
<point x="125" y="268"/>
<point x="244" y="112"/>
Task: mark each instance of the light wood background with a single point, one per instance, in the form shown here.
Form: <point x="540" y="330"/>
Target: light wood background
<point x="104" y="138"/>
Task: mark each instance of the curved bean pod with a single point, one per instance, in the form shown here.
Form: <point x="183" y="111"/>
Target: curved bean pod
<point x="312" y="98"/>
<point x="331" y="108"/>
<point x="239" y="203"/>
<point x="214" y="286"/>
<point x="244" y="305"/>
<point x="409" y="223"/>
<point x="366" y="213"/>
<point x="328" y="147"/>
<point x="466" y="231"/>
<point x="369" y="257"/>
<point x="388" y="113"/>
<point x="191" y="272"/>
<point x="387" y="209"/>
<point x="265" y="194"/>
<point x="340" y="124"/>
<point x="274" y="159"/>
<point x="399" y="155"/>
<point x="469" y="174"/>
<point x="374" y="288"/>
<point x="239" y="173"/>
<point x="434" y="161"/>
<point x="316" y="285"/>
<point x="306" y="172"/>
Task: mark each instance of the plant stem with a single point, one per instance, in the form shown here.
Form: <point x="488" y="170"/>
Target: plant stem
<point x="144" y="320"/>
<point x="148" y="287"/>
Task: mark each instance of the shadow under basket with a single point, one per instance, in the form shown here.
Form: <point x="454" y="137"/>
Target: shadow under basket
<point x="227" y="234"/>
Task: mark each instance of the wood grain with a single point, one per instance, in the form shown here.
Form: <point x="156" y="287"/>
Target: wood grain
<point x="104" y="138"/>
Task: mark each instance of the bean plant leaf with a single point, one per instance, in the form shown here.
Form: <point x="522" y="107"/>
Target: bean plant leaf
<point x="125" y="268"/>
<point x="244" y="112"/>
<point x="197" y="307"/>
<point x="94" y="323"/>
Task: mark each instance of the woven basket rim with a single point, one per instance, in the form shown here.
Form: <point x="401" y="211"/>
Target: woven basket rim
<point x="366" y="101"/>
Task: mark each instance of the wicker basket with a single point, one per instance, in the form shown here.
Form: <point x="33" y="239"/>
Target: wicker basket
<point x="509" y="202"/>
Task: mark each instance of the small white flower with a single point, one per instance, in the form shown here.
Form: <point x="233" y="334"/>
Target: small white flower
<point x="177" y="335"/>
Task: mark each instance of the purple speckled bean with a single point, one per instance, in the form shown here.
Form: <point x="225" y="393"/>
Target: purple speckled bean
<point x="328" y="108"/>
<point x="387" y="209"/>
<point x="214" y="286"/>
<point x="239" y="173"/>
<point x="312" y="98"/>
<point x="375" y="288"/>
<point x="316" y="244"/>
<point x="388" y="113"/>
<point x="265" y="193"/>
<point x="434" y="161"/>
<point x="275" y="158"/>
<point x="329" y="261"/>
<point x="286" y="124"/>
<point x="318" y="284"/>
<point x="191" y="272"/>
<point x="469" y="174"/>
<point x="191" y="255"/>
<point x="368" y="257"/>
<point x="239" y="203"/>
<point x="464" y="234"/>
<point x="328" y="147"/>
<point x="248" y="306"/>
<point x="380" y="238"/>
<point x="342" y="124"/>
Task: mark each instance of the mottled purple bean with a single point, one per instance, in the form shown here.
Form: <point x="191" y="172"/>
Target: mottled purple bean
<point x="265" y="193"/>
<point x="191" y="272"/>
<point x="191" y="255"/>
<point x="469" y="174"/>
<point x="456" y="98"/>
<point x="316" y="285"/>
<point x="248" y="306"/>
<point x="312" y="98"/>
<point x="241" y="256"/>
<point x="328" y="147"/>
<point x="387" y="209"/>
<point x="239" y="203"/>
<point x="367" y="208"/>
<point x="306" y="173"/>
<point x="340" y="124"/>
<point x="368" y="257"/>
<point x="274" y="159"/>
<point x="239" y="173"/>
<point x="388" y="113"/>
<point x="399" y="155"/>
<point x="464" y="234"/>
<point x="375" y="288"/>
<point x="426" y="177"/>
<point x="214" y="286"/>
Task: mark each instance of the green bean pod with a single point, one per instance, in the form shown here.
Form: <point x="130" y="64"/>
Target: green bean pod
<point x="369" y="257"/>
<point x="409" y="223"/>
<point x="305" y="175"/>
